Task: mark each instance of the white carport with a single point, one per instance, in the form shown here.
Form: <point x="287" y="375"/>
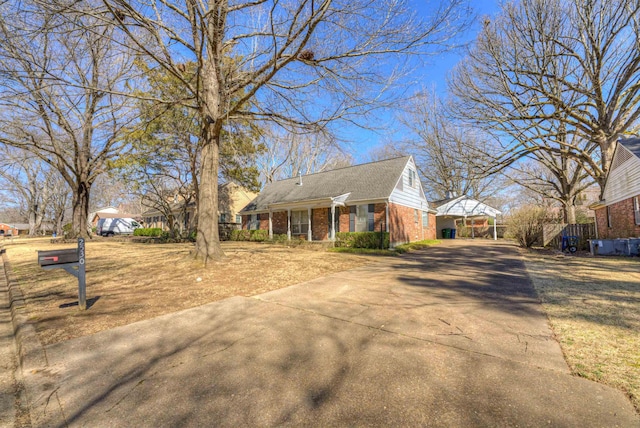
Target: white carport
<point x="462" y="207"/>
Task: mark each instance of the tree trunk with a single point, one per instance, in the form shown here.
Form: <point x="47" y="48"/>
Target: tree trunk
<point x="208" y="239"/>
<point x="606" y="154"/>
<point x="81" y="211"/>
<point x="571" y="213"/>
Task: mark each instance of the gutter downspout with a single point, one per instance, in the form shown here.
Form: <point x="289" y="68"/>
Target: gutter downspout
<point x="386" y="222"/>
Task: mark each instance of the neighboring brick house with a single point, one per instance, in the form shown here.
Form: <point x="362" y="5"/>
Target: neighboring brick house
<point x="618" y="213"/>
<point x="469" y="212"/>
<point x="377" y="196"/>
<point x="8" y="230"/>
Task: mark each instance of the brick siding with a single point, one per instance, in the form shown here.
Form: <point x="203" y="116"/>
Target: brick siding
<point x="279" y="222"/>
<point x="622" y="221"/>
<point x="320" y="224"/>
<point x="405" y="228"/>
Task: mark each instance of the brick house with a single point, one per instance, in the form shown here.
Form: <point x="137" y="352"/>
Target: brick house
<point x="378" y="196"/>
<point x="618" y="213"/>
<point x="8" y="230"/>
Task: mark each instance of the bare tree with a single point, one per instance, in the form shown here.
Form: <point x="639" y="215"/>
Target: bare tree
<point x="449" y="155"/>
<point x="60" y="75"/>
<point x="555" y="76"/>
<point x="58" y="201"/>
<point x="288" y="154"/>
<point x="558" y="179"/>
<point x="37" y="188"/>
<point x="306" y="63"/>
<point x="24" y="177"/>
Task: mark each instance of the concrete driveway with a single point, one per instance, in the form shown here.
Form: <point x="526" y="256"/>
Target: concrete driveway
<point x="453" y="336"/>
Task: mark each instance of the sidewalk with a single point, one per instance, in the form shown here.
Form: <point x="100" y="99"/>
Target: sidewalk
<point x="453" y="336"/>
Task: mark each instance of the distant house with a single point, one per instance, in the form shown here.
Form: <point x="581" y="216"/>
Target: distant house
<point x="9" y="229"/>
<point x="618" y="213"/>
<point x="377" y="196"/>
<point x="231" y="199"/>
<point x="466" y="212"/>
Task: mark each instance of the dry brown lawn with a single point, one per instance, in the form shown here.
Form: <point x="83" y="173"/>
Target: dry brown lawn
<point x="593" y="304"/>
<point x="128" y="282"/>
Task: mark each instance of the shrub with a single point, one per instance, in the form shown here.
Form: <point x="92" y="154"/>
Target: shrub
<point x="250" y="235"/>
<point x="239" y="235"/>
<point x="362" y="239"/>
<point x="258" y="235"/>
<point x="280" y="238"/>
<point x="148" y="231"/>
<point x="525" y="224"/>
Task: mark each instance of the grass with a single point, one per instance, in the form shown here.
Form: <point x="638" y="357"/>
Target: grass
<point x="418" y="245"/>
<point x="368" y="251"/>
<point x="400" y="249"/>
<point x="128" y="282"/>
<point x="593" y="306"/>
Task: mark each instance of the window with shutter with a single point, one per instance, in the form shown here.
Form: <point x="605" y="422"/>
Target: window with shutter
<point x="636" y="209"/>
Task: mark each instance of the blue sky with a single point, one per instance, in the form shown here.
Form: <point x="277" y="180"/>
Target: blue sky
<point x="434" y="77"/>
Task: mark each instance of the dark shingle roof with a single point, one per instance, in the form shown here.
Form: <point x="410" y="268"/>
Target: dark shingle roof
<point x="369" y="181"/>
<point x="631" y="144"/>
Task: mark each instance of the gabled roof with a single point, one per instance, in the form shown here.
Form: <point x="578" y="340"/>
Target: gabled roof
<point x="436" y="204"/>
<point x="465" y="207"/>
<point x="365" y="182"/>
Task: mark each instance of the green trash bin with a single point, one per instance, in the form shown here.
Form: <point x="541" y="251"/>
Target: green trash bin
<point x="446" y="233"/>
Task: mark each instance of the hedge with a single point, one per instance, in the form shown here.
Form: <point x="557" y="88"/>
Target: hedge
<point x="362" y="239"/>
<point x="148" y="231"/>
<point x="249" y="235"/>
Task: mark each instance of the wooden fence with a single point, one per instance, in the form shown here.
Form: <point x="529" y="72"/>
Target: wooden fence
<point x="552" y="234"/>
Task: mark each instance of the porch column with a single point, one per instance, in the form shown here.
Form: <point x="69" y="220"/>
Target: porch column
<point x="309" y="234"/>
<point x="386" y="216"/>
<point x="473" y="229"/>
<point x="289" y="224"/>
<point x="333" y="223"/>
<point x="495" y="229"/>
<point x="270" y="225"/>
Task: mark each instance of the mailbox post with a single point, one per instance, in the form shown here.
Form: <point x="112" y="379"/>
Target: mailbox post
<point x="72" y="261"/>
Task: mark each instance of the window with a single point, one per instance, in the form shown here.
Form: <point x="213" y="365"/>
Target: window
<point x="299" y="222"/>
<point x="412" y="178"/>
<point x="415" y="216"/>
<point x="254" y="222"/>
<point x="636" y="209"/>
<point x="608" y="216"/>
<point x="238" y="218"/>
<point x="425" y="219"/>
<point x="361" y="218"/>
<point x="223" y="218"/>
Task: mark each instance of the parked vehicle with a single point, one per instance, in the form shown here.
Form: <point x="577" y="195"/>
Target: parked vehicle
<point x="116" y="226"/>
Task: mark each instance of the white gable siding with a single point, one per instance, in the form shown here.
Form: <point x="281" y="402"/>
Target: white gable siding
<point x="407" y="195"/>
<point x="624" y="178"/>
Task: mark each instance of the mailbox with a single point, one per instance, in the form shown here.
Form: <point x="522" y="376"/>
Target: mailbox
<point x="57" y="257"/>
<point x="71" y="260"/>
